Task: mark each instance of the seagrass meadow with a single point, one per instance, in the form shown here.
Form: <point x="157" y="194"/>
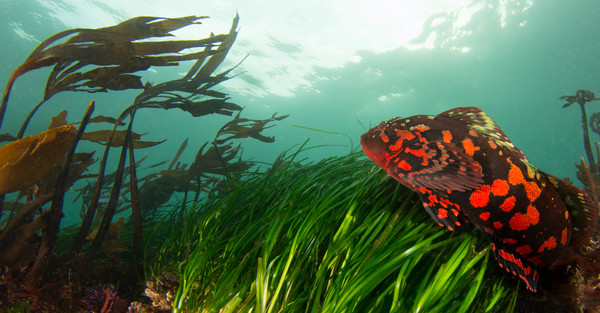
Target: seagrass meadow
<point x="333" y="236"/>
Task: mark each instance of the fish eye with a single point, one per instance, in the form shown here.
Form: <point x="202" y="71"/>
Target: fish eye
<point x="382" y="126"/>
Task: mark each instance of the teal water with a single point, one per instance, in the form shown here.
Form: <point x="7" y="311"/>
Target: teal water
<point x="343" y="67"/>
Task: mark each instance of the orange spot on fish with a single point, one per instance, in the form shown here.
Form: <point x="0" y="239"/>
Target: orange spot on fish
<point x="432" y="199"/>
<point x="473" y="133"/>
<point x="405" y="134"/>
<point x="523" y="221"/>
<point x="532" y="189"/>
<point x="509" y="241"/>
<point x="480" y="197"/>
<point x="566" y="215"/>
<point x="404" y="165"/>
<point x="563" y="238"/>
<point x="548" y="244"/>
<point x="455" y="211"/>
<point x="492" y="144"/>
<point x="484" y="216"/>
<point x="396" y="146"/>
<point x="418" y="153"/>
<point x="533" y="215"/>
<point x="518" y="222"/>
<point x="424" y="190"/>
<point x="469" y="147"/>
<point x="524" y="250"/>
<point x="442" y="213"/>
<point x="447" y="136"/>
<point x="445" y="202"/>
<point x="384" y="137"/>
<point x="508" y="204"/>
<point x="500" y="187"/>
<point x="497" y="225"/>
<point x="515" y="176"/>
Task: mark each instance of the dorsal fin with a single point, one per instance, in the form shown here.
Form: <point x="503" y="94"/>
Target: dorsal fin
<point x="483" y="125"/>
<point x="583" y="211"/>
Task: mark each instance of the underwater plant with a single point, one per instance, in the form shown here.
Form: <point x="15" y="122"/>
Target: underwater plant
<point x="333" y="236"/>
<point x="582" y="97"/>
<point x="101" y="60"/>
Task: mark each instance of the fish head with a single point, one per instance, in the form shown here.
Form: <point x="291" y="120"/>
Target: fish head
<point x="388" y="139"/>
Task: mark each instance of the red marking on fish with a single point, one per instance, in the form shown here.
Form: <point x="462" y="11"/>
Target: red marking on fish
<point x="548" y="244"/>
<point x="500" y="187"/>
<point x="469" y="147"/>
<point x="508" y="204"/>
<point x="447" y="136"/>
<point x="480" y="197"/>
<point x="484" y="216"/>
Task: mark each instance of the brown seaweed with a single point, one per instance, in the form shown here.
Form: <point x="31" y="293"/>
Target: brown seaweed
<point x="243" y="128"/>
<point x="55" y="214"/>
<point x="136" y="211"/>
<point x="26" y="161"/>
<point x="99" y="60"/>
<point x="115" y="193"/>
<point x="192" y="92"/>
<point x="116" y="52"/>
<point x="112" y="243"/>
<point x="178" y="154"/>
<point x="582" y="97"/>
<point x="116" y="138"/>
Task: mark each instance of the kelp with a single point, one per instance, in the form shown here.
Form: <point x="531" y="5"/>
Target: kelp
<point x="55" y="214"/>
<point x="194" y="87"/>
<point x="218" y="159"/>
<point x="150" y="97"/>
<point x="116" y="51"/>
<point x="28" y="160"/>
<point x="116" y="138"/>
<point x="582" y="97"/>
<point x="112" y="243"/>
<point x="178" y="154"/>
<point x="108" y="59"/>
<point x="244" y="128"/>
<point x="192" y="93"/>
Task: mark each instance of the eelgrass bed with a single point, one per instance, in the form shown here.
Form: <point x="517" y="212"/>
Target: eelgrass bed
<point x="335" y="236"/>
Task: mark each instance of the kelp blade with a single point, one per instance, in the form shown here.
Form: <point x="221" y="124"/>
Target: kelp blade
<point x="26" y="161"/>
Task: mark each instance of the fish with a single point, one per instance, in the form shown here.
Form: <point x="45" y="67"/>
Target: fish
<point x="466" y="170"/>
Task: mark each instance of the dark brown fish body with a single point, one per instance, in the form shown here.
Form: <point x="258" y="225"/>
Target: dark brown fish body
<point x="466" y="170"/>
